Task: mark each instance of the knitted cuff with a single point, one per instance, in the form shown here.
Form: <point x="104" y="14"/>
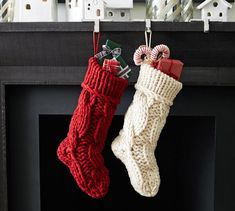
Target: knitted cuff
<point x="158" y="83"/>
<point x="103" y="82"/>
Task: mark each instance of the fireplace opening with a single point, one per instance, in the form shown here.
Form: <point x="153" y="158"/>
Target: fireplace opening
<point x="185" y="155"/>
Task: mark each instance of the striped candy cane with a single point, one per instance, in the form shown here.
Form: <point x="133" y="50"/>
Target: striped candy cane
<point x="160" y="51"/>
<point x="140" y="54"/>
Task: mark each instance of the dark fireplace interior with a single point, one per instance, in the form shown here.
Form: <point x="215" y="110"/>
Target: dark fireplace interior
<point x="184" y="155"/>
<point x="37" y="121"/>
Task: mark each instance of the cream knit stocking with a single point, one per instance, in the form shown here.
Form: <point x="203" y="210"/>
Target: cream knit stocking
<point x="144" y="120"/>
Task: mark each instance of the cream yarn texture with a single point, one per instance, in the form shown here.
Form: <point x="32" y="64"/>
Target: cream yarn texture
<point x="143" y="123"/>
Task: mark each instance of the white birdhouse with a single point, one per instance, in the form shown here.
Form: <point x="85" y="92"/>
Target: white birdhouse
<point x="118" y="10"/>
<point x="35" y="10"/>
<point x="74" y="10"/>
<point x="214" y="10"/>
<point x="108" y="9"/>
<point x="94" y="9"/>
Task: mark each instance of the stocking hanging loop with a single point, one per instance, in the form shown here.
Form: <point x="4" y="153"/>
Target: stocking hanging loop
<point x="96" y="36"/>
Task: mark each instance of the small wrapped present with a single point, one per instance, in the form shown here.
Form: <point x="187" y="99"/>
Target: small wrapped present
<point x="112" y="66"/>
<point x="112" y="50"/>
<point x="112" y="45"/>
<point x="124" y="68"/>
<point x="171" y="67"/>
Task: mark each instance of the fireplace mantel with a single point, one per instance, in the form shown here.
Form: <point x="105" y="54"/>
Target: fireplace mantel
<point x="56" y="55"/>
<point x="64" y="48"/>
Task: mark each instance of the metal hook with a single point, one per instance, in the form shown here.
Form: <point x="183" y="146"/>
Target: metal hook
<point x="148" y="25"/>
<point x="97" y="26"/>
<point x="206" y="25"/>
<point x="148" y="31"/>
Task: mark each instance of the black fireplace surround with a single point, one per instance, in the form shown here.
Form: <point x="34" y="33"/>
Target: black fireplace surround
<point x="41" y="70"/>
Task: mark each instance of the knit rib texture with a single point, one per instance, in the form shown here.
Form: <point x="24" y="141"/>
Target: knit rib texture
<point x="145" y="118"/>
<point x="81" y="150"/>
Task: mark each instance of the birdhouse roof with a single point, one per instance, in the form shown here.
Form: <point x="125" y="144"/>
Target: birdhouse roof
<point x="203" y="4"/>
<point x="119" y="4"/>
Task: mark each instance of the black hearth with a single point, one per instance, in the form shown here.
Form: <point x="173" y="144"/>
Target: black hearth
<point x="185" y="158"/>
<point x="38" y="119"/>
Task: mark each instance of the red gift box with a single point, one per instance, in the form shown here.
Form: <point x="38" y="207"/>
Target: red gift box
<point x="171" y="67"/>
<point x="111" y="65"/>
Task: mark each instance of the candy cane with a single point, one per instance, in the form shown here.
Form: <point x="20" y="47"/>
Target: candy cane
<point x="142" y="51"/>
<point x="160" y="49"/>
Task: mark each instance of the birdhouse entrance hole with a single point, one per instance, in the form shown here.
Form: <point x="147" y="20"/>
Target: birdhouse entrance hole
<point x="28" y="7"/>
<point x="98" y="12"/>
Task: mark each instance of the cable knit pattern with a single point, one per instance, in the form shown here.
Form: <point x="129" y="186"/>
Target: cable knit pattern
<point x="81" y="149"/>
<point x="144" y="120"/>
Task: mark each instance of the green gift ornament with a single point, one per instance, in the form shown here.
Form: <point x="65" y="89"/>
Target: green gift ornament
<point x="123" y="64"/>
<point x="110" y="50"/>
<point x="112" y="44"/>
<point x="124" y="68"/>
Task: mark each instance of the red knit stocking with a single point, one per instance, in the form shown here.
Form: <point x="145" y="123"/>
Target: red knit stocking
<point x="81" y="149"/>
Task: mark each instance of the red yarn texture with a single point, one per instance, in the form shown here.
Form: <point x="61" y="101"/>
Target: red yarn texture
<point x="81" y="150"/>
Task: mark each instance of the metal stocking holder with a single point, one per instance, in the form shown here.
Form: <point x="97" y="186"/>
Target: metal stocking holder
<point x="148" y="33"/>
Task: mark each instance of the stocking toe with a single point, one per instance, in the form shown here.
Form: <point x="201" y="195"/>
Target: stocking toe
<point x="63" y="152"/>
